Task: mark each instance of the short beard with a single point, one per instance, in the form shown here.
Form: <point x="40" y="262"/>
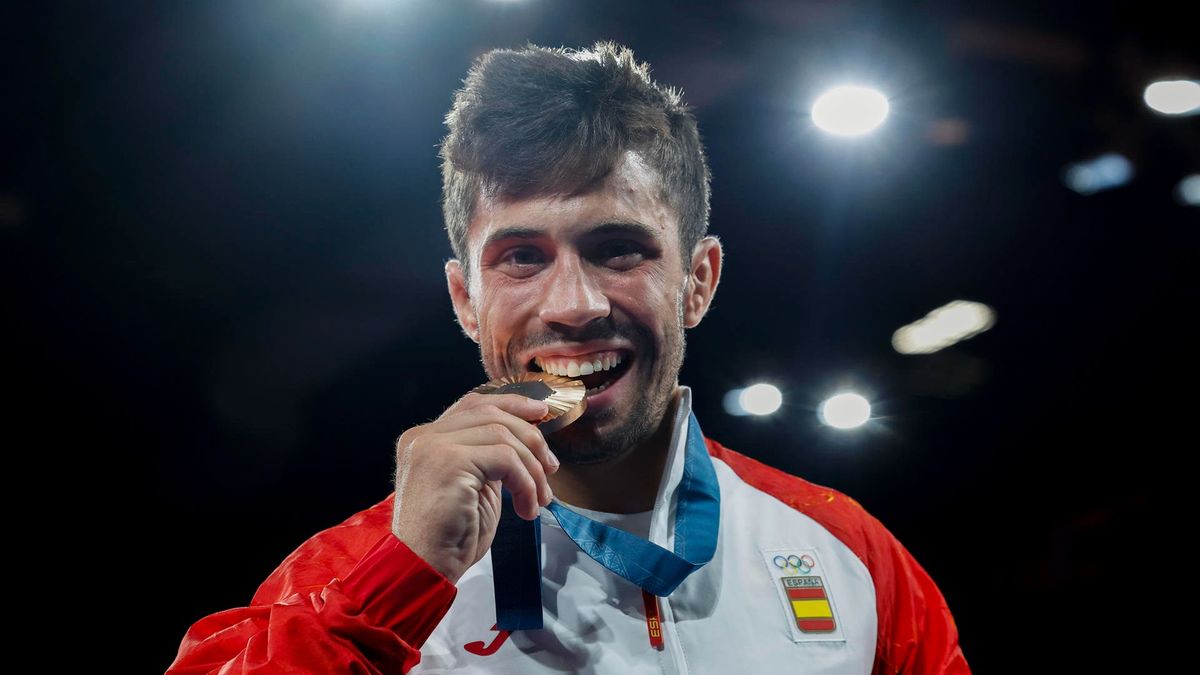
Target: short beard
<point x="580" y="444"/>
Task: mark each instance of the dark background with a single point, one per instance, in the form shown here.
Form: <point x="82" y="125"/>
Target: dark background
<point x="222" y="223"/>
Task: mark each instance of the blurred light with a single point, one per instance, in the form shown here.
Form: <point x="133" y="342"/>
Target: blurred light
<point x="943" y="327"/>
<point x="1105" y="172"/>
<point x="1189" y="190"/>
<point x="1173" y="97"/>
<point x="733" y="403"/>
<point x="850" y="110"/>
<point x="760" y="399"/>
<point x="845" y="411"/>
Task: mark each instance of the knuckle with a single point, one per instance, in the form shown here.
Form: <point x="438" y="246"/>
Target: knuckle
<point x="470" y="401"/>
<point x="407" y="437"/>
<point x="539" y="440"/>
<point x="417" y="444"/>
<point x="514" y="456"/>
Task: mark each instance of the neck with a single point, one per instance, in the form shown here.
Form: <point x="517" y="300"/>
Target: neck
<point x="627" y="484"/>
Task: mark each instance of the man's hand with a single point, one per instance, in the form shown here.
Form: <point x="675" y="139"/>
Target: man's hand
<point x="449" y="474"/>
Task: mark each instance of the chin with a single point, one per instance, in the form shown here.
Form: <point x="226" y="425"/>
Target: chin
<point x="606" y="435"/>
<point x="583" y="443"/>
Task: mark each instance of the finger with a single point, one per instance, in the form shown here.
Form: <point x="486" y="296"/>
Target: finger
<point x="515" y="404"/>
<point x="495" y="433"/>
<point x="500" y="462"/>
<point x="527" y="433"/>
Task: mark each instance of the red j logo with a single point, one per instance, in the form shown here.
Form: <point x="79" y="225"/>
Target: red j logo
<point x="479" y="649"/>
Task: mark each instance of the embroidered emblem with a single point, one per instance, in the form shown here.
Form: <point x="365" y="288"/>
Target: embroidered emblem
<point x="798" y="564"/>
<point x="810" y="605"/>
<point x="803" y="587"/>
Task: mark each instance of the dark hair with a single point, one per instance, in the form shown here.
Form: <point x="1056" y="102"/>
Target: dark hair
<point x="539" y="121"/>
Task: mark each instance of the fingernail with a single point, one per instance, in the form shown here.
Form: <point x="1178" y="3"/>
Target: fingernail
<point x="552" y="458"/>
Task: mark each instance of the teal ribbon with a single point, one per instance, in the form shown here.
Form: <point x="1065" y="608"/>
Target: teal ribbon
<point x="643" y="563"/>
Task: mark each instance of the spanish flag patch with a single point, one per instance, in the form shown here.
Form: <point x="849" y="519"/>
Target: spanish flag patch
<point x="810" y="604"/>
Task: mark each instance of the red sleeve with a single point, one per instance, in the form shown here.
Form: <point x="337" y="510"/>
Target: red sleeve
<point x="917" y="634"/>
<point x="373" y="620"/>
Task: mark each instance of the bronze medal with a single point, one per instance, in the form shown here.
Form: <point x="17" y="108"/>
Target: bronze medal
<point x="566" y="397"/>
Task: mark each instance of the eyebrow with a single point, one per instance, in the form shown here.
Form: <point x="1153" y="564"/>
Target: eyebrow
<point x="629" y="228"/>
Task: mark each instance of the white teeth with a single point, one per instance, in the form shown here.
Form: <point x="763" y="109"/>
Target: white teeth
<point x="565" y="366"/>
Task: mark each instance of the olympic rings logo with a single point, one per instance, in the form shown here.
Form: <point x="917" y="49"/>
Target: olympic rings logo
<point x="799" y="564"/>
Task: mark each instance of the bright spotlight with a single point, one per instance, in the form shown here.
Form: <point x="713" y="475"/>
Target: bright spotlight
<point x="760" y="399"/>
<point x="733" y="403"/>
<point x="850" y="110"/>
<point x="1173" y="97"/>
<point x="1189" y="190"/>
<point x="943" y="327"/>
<point x="1105" y="172"/>
<point x="845" y="411"/>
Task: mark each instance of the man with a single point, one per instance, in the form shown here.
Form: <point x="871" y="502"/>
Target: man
<point x="576" y="199"/>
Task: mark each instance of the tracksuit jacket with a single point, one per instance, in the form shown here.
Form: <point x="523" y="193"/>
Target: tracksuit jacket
<point x="804" y="580"/>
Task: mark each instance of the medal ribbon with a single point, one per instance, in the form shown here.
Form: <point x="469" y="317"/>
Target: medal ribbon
<point x="643" y="563"/>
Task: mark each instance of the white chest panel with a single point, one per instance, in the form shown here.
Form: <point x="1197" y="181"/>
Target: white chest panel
<point x="733" y="616"/>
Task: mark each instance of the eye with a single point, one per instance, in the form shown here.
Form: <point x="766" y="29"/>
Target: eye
<point x="521" y="261"/>
<point x="620" y="254"/>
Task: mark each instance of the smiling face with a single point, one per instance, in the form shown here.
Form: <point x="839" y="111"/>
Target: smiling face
<point x="593" y="286"/>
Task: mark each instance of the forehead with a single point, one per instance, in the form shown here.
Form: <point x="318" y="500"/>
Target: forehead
<point x="632" y="193"/>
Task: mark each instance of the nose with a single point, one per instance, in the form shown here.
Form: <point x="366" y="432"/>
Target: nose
<point x="572" y="297"/>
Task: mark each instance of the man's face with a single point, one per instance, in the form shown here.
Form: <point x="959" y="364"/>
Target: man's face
<point x="590" y="286"/>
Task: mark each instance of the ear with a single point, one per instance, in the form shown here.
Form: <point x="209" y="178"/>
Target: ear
<point x="703" y="277"/>
<point x="461" y="297"/>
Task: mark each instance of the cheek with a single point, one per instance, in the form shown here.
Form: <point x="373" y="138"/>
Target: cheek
<point x="651" y="298"/>
<point x="493" y="331"/>
<point x="501" y="305"/>
<point x="505" y="315"/>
